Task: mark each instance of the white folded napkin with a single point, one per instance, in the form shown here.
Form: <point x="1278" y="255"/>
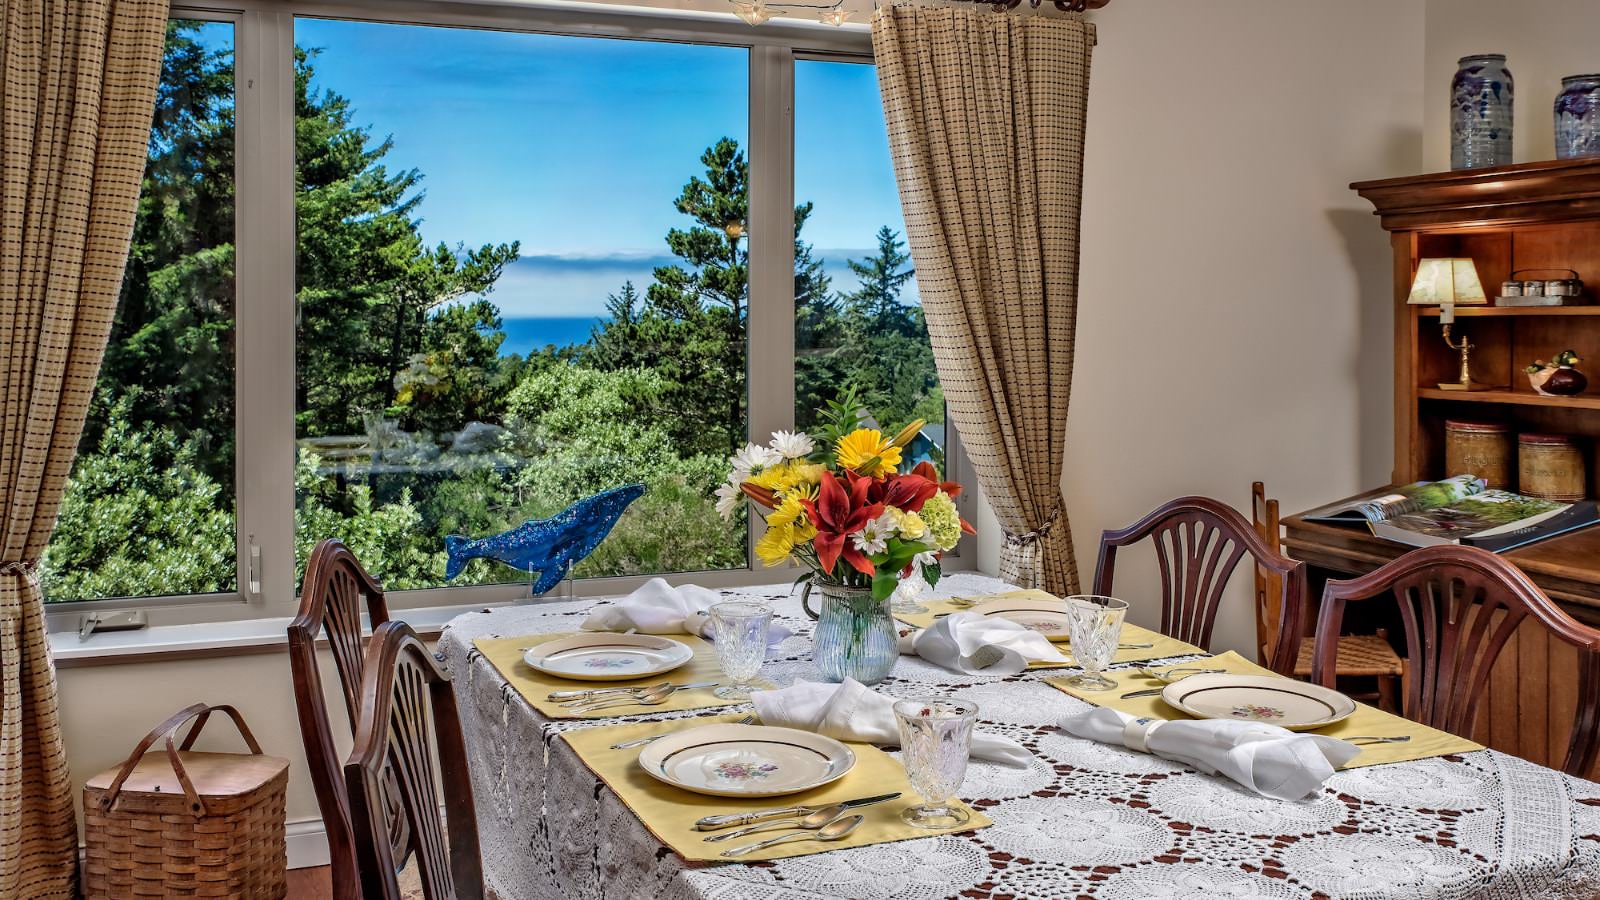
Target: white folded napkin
<point x="659" y="608"/>
<point x="975" y="644"/>
<point x="853" y="712"/>
<point x="1274" y="762"/>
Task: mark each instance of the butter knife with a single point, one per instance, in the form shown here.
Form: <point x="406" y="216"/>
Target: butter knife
<point x="712" y="823"/>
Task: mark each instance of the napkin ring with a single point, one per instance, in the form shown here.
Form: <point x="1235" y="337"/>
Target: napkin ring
<point x="1136" y="734"/>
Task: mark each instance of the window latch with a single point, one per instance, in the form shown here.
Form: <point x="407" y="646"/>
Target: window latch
<point x="255" y="568"/>
<point x="124" y="620"/>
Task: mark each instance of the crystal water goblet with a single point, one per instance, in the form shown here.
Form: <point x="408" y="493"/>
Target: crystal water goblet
<point x="1094" y="628"/>
<point x="739" y="632"/>
<point x="935" y="739"/>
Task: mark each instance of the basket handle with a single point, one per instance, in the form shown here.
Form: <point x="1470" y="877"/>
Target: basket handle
<point x="200" y="712"/>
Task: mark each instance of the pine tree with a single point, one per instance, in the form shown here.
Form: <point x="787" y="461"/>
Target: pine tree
<point x="882" y="279"/>
<point x="368" y="285"/>
<point x="170" y="362"/>
<point x="691" y="327"/>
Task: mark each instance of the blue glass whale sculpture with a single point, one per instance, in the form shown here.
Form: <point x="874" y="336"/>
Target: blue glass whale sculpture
<point x="550" y="546"/>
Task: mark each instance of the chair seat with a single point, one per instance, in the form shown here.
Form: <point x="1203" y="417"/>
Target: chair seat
<point x="1360" y="655"/>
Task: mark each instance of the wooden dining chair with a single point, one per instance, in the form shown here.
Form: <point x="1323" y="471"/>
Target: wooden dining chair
<point x="1360" y="655"/>
<point x="336" y="590"/>
<point x="1199" y="542"/>
<point x="1460" y="605"/>
<point x="408" y="733"/>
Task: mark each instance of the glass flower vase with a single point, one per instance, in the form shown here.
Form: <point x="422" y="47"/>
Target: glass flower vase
<point x="855" y="634"/>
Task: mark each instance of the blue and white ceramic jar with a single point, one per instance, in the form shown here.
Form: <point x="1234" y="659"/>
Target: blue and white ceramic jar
<point x="1578" y="117"/>
<point x="1480" y="113"/>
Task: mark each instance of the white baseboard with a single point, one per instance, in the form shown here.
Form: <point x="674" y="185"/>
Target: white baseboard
<point x="307" y="844"/>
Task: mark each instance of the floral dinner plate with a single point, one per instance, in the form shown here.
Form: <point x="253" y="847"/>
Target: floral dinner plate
<point x="1274" y="700"/>
<point x="1043" y="616"/>
<point x="604" y="656"/>
<point x="746" y="760"/>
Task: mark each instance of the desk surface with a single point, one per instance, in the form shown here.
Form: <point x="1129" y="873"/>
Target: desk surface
<point x="1567" y="567"/>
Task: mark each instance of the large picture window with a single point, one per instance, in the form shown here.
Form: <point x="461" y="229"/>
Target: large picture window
<point x="466" y="269"/>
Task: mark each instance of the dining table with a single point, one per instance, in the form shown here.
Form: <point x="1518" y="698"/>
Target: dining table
<point x="1081" y="819"/>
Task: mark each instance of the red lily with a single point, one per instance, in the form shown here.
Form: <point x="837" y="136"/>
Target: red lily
<point x="907" y="492"/>
<point x="837" y="514"/>
<point x="926" y="470"/>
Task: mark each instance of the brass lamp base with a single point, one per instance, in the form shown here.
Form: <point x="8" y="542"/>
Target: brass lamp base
<point x="1469" y="386"/>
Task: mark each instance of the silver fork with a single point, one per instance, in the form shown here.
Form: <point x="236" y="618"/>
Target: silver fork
<point x="628" y="745"/>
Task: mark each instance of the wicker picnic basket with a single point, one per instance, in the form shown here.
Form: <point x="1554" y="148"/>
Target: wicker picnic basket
<point x="185" y="823"/>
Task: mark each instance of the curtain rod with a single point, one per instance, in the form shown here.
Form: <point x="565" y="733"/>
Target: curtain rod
<point x="1063" y="5"/>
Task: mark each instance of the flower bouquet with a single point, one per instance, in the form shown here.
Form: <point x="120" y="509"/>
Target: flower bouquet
<point x="838" y="504"/>
<point x="842" y="508"/>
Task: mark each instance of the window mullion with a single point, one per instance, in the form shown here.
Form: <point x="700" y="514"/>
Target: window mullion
<point x="265" y="304"/>
<point x="770" y="360"/>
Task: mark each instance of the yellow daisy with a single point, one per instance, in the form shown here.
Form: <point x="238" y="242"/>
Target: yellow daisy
<point x="866" y="452"/>
<point x="788" y="513"/>
<point x="776" y="545"/>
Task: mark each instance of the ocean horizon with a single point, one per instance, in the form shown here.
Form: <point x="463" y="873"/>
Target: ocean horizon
<point x="530" y="334"/>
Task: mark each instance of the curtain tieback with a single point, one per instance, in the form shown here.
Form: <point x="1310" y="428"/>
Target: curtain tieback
<point x="1032" y="537"/>
<point x="25" y="567"/>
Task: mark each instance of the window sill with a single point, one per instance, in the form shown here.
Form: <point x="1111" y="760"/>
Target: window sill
<point x="165" y="643"/>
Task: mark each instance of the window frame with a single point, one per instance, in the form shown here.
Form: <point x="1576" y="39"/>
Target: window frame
<point x="265" y="247"/>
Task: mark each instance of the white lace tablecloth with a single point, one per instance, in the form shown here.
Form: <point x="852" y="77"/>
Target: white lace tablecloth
<point x="1085" y="820"/>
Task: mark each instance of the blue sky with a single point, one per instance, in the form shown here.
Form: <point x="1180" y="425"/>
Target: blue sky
<point x="577" y="147"/>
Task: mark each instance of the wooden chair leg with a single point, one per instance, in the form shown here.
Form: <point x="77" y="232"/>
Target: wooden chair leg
<point x="1388" y="694"/>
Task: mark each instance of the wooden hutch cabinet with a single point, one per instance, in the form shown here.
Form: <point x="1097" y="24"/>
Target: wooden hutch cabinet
<point x="1543" y="215"/>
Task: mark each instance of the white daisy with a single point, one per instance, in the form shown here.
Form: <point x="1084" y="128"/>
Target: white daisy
<point x="753" y="459"/>
<point x="793" y="444"/>
<point x="874" y="536"/>
<point x="728" y="497"/>
<point x="925" y="558"/>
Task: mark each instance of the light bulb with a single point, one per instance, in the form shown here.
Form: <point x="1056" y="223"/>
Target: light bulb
<point x="836" y="16"/>
<point x="752" y="13"/>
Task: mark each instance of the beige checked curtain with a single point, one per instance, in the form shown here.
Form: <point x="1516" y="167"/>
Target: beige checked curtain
<point x="76" y="94"/>
<point x="985" y="113"/>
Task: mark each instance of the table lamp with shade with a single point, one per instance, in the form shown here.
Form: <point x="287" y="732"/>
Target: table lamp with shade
<point x="1448" y="283"/>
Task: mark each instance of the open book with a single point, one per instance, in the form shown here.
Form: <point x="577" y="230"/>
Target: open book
<point x="1459" y="510"/>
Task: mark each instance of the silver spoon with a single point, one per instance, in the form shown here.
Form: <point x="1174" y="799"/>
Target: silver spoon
<point x="810" y="822"/>
<point x="836" y="830"/>
<point x="653" y="697"/>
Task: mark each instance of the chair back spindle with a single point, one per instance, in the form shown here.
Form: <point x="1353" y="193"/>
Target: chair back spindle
<point x="334" y="594"/>
<point x="1199" y="542"/>
<point x="1460" y="607"/>
<point x="408" y="733"/>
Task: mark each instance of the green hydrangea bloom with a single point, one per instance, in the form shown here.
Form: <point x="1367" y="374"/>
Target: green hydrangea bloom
<point x="944" y="523"/>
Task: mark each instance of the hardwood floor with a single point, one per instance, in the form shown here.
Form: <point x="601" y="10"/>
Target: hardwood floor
<point x="311" y="884"/>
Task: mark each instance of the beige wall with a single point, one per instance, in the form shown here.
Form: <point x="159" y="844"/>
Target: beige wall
<point x="1543" y="40"/>
<point x="1234" y="299"/>
<point x="106" y="709"/>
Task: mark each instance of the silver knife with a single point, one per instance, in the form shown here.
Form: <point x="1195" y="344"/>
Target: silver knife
<point x="712" y="823"/>
<point x="600" y="692"/>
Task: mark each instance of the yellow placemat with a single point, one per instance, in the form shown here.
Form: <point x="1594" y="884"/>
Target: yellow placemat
<point x="670" y="812"/>
<point x="505" y="654"/>
<point x="1161" y="645"/>
<point x="1367" y="720"/>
